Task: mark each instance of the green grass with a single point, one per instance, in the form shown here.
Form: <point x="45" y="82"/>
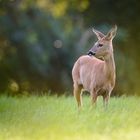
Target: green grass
<point x="52" y="118"/>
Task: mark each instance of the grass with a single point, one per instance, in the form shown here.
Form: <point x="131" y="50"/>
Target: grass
<point x="52" y="118"/>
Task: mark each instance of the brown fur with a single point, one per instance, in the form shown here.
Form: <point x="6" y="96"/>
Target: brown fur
<point x="93" y="74"/>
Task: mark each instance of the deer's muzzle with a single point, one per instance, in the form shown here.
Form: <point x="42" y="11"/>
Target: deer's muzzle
<point x="90" y="53"/>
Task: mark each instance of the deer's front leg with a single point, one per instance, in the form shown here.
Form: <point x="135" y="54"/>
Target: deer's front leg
<point x="93" y="98"/>
<point x="105" y="100"/>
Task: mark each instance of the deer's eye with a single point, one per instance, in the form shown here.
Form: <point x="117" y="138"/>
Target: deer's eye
<point x="100" y="45"/>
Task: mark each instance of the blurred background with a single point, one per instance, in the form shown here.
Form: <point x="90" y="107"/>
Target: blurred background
<point x="41" y="39"/>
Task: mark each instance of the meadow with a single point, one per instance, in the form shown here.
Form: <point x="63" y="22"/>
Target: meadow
<point x="57" y="118"/>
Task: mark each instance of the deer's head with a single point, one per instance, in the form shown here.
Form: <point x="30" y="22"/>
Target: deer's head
<point x="103" y="47"/>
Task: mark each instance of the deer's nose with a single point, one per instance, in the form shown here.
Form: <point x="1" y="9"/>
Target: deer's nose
<point x="91" y="53"/>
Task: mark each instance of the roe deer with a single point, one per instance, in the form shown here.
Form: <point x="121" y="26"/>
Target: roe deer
<point x="95" y="72"/>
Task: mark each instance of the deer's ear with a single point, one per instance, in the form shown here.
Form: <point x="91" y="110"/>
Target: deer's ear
<point x="98" y="34"/>
<point x="111" y="34"/>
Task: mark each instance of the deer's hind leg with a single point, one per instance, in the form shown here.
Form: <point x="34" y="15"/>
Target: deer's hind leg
<point x="78" y="94"/>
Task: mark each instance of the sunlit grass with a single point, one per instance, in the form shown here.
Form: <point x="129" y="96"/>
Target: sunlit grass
<point x="52" y="118"/>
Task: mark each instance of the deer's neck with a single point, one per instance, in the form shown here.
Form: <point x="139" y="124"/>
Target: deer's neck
<point x="110" y="66"/>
